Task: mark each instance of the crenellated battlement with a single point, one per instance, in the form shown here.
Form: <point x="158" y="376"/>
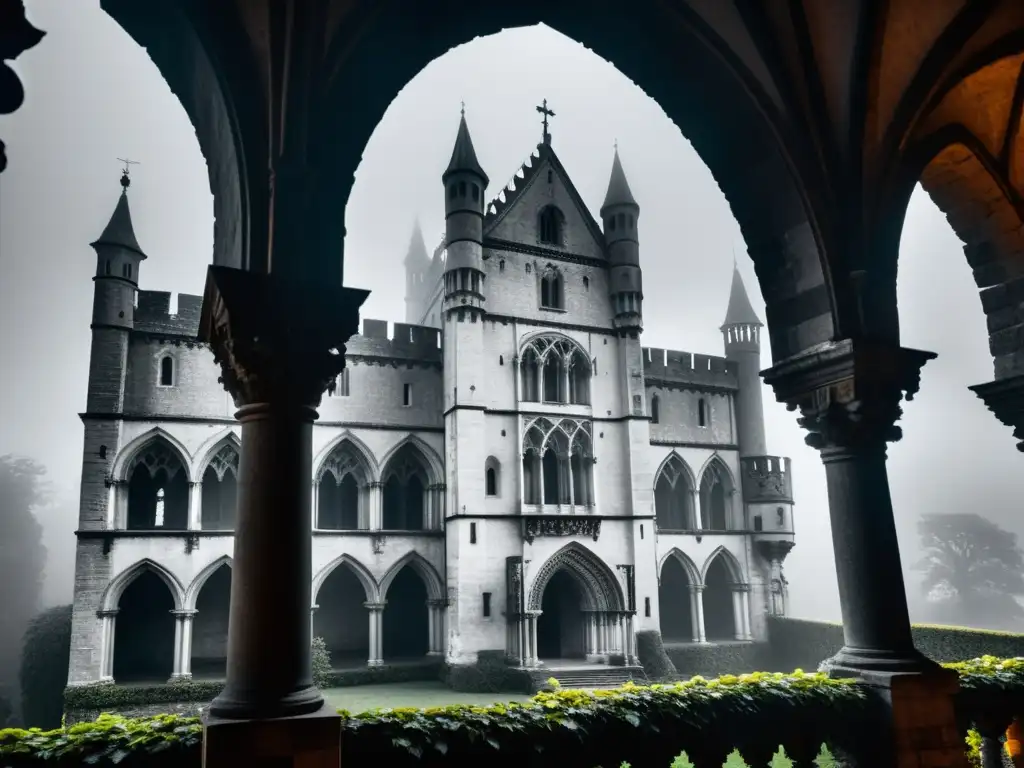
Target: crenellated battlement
<point x="381" y="338"/>
<point x="672" y="366"/>
<point x="767" y="479"/>
<point x="153" y="313"/>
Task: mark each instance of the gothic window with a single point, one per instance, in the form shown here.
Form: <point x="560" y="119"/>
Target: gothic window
<point x="341" y="384"/>
<point x="492" y="471"/>
<point x="406" y="395"/>
<point x="166" y="371"/>
<point x="552" y="295"/>
<point x="702" y="412"/>
<point x="558" y="463"/>
<point x="673" y="496"/>
<point x="555" y="369"/>
<point x="476" y="193"/>
<point x="715" y="496"/>
<point x="342" y="502"/>
<point x="405" y="490"/>
<point x="220" y="489"/>
<point x="157" y="488"/>
<point x="550" y="226"/>
<point x="655" y="409"/>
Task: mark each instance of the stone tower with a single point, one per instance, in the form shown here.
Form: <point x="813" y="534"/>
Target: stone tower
<point x="417" y="268"/>
<point x="462" y="311"/>
<point x="621" y="216"/>
<point x="742" y="333"/>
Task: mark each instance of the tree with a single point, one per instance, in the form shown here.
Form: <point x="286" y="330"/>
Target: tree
<point x="22" y="559"/>
<point x="44" y="667"/>
<point x="972" y="570"/>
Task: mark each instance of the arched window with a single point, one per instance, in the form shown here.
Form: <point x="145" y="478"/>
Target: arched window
<point x="716" y="497"/>
<point x="491" y="477"/>
<point x="702" y="413"/>
<point x="551" y="294"/>
<point x="558" y="463"/>
<point x="550" y="226"/>
<point x="655" y="409"/>
<point x="556" y="370"/>
<point x="341" y="384"/>
<point x="167" y="371"/>
<point x="673" y="496"/>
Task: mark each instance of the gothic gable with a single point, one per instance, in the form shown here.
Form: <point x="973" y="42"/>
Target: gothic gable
<point x="540" y="207"/>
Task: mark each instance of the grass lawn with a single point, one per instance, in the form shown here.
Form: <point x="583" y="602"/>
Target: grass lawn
<point x="359" y="698"/>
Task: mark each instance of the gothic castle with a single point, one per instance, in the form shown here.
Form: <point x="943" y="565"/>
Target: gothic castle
<point x="509" y="470"/>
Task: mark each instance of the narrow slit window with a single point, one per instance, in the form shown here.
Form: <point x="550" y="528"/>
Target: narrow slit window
<point x="406" y="395"/>
<point x="487" y="604"/>
<point x="472" y="533"/>
<point x="167" y="372"/>
<point x="702" y="413"/>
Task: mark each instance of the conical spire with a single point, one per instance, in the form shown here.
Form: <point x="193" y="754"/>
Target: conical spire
<point x="464" y="156"/>
<point x="417" y="251"/>
<point x="740" y="311"/>
<point x="119" y="232"/>
<point x="619" y="192"/>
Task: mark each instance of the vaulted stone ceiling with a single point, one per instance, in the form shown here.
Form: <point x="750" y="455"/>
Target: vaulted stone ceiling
<point x="816" y="117"/>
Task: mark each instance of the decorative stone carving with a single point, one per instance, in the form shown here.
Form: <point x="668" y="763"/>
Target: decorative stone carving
<point x="569" y="525"/>
<point x="848" y="392"/>
<point x="377" y="540"/>
<point x="277" y="340"/>
<point x="766" y="479"/>
<point x="1005" y="398"/>
<point x="191" y="543"/>
<point x="629" y="571"/>
<point x="601" y="591"/>
<point x="514" y="604"/>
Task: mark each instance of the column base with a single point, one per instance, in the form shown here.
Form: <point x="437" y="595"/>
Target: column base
<point x="235" y="705"/>
<point x="312" y="740"/>
<point x="375" y="663"/>
<point x="876" y="667"/>
<point x="180" y="677"/>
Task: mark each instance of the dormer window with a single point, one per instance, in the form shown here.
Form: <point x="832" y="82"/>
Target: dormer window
<point x="550" y="226"/>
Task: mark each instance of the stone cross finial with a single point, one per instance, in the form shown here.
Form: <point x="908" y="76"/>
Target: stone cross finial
<point x="543" y="109"/>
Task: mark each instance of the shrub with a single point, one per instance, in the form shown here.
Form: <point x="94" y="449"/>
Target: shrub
<point x="651" y="651"/>
<point x="321" y="659"/>
<point x="110" y="697"/>
<point x="44" y="667"/>
<point x="490" y="674"/>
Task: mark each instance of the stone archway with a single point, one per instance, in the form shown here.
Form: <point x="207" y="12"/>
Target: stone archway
<point x="144" y="630"/>
<point x="209" y="641"/>
<point x="561" y="627"/>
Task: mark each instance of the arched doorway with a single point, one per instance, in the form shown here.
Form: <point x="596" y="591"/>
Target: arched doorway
<point x="144" y="631"/>
<point x="675" y="602"/>
<point x="210" y="626"/>
<point x="719" y="609"/>
<point x="406" y="623"/>
<point x="341" y="618"/>
<point x="561" y="627"/>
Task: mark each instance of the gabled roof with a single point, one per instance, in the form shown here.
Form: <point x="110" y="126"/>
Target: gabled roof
<point x="524" y="177"/>
<point x="119" y="232"/>
<point x="464" y="155"/>
<point x="740" y="311"/>
<point x="619" y="192"/>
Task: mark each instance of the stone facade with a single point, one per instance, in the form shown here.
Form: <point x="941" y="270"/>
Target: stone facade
<point x="510" y="469"/>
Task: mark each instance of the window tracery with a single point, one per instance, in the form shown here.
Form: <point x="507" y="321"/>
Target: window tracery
<point x="157" y="488"/>
<point x="555" y="369"/>
<point x="673" y="496"/>
<point x="220" y="489"/>
<point x="558" y="461"/>
<point x="552" y="288"/>
<point x="342" y="490"/>
<point x="716" y="496"/>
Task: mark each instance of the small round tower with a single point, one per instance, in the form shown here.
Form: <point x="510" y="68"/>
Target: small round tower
<point x="464" y="184"/>
<point x="118" y="256"/>
<point x="742" y="334"/>
<point x="621" y="214"/>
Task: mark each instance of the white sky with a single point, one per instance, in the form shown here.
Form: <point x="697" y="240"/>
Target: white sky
<point x="94" y="96"/>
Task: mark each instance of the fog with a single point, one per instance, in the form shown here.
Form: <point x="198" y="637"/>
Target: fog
<point x="94" y="96"/>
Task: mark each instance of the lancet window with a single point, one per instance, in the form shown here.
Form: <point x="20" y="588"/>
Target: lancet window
<point x="343" y="490"/>
<point x="157" y="488"/>
<point x="558" y="461"/>
<point x="716" y="496"/>
<point x="555" y="369"/>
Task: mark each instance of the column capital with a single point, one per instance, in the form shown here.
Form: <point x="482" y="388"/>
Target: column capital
<point x="438" y="602"/>
<point x="277" y="340"/>
<point x="376" y="606"/>
<point x="1005" y="398"/>
<point x="698" y="588"/>
<point x="187" y="613"/>
<point x="848" y="392"/>
<point x="313" y="608"/>
<point x="106" y="613"/>
<point x="740" y="587"/>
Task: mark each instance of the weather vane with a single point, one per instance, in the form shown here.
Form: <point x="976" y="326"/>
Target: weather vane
<point x="543" y="109"/>
<point x="463" y="108"/>
<point x="125" y="174"/>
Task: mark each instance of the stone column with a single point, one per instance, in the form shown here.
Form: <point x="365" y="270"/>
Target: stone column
<point x="108" y="620"/>
<point x="745" y="595"/>
<point x="376" y="506"/>
<point x="182" y="669"/>
<point x="279" y="344"/>
<point x="376" y="618"/>
<point x="435" y="618"/>
<point x="531" y="638"/>
<point x="848" y="393"/>
<point x="312" y="620"/>
<point x="737" y="611"/>
<point x="195" y="506"/>
<point x="698" y="523"/>
<point x="315" y="504"/>
<point x="697" y="613"/>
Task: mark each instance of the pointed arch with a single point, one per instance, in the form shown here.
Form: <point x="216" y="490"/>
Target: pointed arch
<point x="728" y="560"/>
<point x="717" y="491"/>
<point x="126" y="456"/>
<point x="116" y="587"/>
<point x="692" y="571"/>
<point x="346" y="438"/>
<point x="600" y="587"/>
<point x="674" y="460"/>
<point x="208" y="450"/>
<point x="373" y="591"/>
<point x="714" y="463"/>
<point x="432" y="462"/>
<point x="431" y="579"/>
<point x="193" y="589"/>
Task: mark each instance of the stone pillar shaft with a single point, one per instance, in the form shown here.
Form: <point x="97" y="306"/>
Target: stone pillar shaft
<point x="376" y="619"/>
<point x="195" y="506"/>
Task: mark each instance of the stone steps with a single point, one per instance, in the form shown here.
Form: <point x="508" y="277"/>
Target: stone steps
<point x="589" y="677"/>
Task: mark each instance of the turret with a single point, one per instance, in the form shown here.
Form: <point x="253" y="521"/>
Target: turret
<point x="464" y="182"/>
<point x="621" y="215"/>
<point x="417" y="268"/>
<point x="742" y="334"/>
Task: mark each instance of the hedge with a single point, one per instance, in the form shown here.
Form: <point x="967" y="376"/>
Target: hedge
<point x="799" y="643"/>
<point x="45" y="655"/>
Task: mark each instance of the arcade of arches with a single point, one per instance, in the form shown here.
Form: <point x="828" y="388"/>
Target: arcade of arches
<point x="155" y="492"/>
<point x="155" y="639"/>
<point x="678" y="507"/>
<point x="695" y="610"/>
<point x="815" y="131"/>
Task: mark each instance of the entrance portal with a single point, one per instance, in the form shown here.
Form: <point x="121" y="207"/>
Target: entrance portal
<point x="560" y="627"/>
